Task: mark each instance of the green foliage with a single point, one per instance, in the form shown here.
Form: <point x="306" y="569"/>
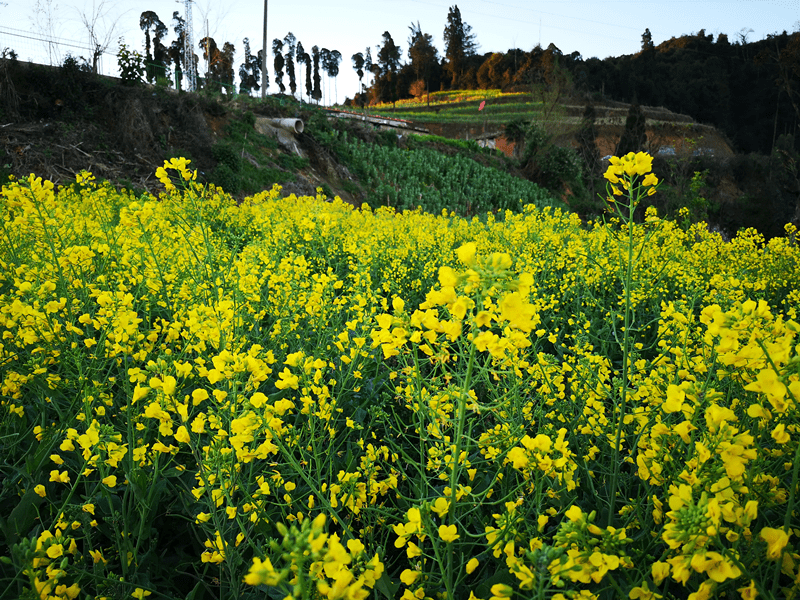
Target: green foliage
<point x="407" y="179"/>
<point x="634" y="137"/>
<point x="131" y="65"/>
<point x="559" y="166"/>
<point x="536" y="141"/>
<point x="225" y="177"/>
<point x="698" y="205"/>
<point x="292" y="162"/>
<point x="225" y="153"/>
<point x="553" y="167"/>
<point x="419" y="141"/>
<point x="236" y="175"/>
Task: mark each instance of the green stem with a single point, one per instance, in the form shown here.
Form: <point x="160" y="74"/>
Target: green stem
<point x="620" y="416"/>
<point x="302" y="472"/>
<point x="456" y="470"/>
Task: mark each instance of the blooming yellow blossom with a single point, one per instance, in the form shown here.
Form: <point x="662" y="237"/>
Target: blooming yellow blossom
<point x="472" y="564"/>
<point x="448" y="533"/>
<point x="776" y="541"/>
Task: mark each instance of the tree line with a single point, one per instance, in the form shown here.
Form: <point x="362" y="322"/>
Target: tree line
<point x="425" y="71"/>
<point x="290" y="57"/>
<point x="750" y="90"/>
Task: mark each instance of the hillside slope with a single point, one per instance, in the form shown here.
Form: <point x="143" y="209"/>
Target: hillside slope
<point x="61" y="121"/>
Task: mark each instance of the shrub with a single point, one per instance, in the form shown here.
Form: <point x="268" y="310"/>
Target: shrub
<point x="131" y="65"/>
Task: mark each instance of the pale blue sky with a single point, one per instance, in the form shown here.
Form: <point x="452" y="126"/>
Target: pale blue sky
<point x="598" y="28"/>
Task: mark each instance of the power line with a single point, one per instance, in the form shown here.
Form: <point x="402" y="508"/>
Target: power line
<point x="55" y="40"/>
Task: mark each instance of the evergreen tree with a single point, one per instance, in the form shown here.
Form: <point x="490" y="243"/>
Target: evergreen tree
<point x="324" y="62"/>
<point x="587" y="145"/>
<point x="634" y="137"/>
<point x="358" y="67"/>
<point x="316" y="93"/>
<point x="224" y="71"/>
<point x="249" y="71"/>
<point x="154" y="61"/>
<point x="423" y="55"/>
<point x="460" y="44"/>
<point x="220" y="64"/>
<point x="305" y="58"/>
<point x="389" y="53"/>
<point x="265" y="75"/>
<point x="647" y="41"/>
<point x="291" y="44"/>
<point x="332" y="59"/>
<point x="277" y="49"/>
<point x="369" y="66"/>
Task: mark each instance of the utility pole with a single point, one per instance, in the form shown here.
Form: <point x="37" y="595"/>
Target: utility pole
<point x="264" y="56"/>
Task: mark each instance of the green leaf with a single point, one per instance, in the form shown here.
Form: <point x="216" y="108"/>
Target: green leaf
<point x="22" y="517"/>
<point x="387" y="587"/>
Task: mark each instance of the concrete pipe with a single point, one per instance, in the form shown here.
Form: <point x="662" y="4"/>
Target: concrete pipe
<point x="290" y="125"/>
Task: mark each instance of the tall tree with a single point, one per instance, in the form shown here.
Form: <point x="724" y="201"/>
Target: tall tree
<point x="358" y="67"/>
<point x="264" y="74"/>
<point x="587" y="145"/>
<point x="161" y="55"/>
<point x="324" y="58"/>
<point x="385" y="69"/>
<point x="389" y="55"/>
<point x="290" y="43"/>
<point x="155" y="60"/>
<point x="305" y="58"/>
<point x="225" y="67"/>
<point x="220" y="64"/>
<point x="211" y="56"/>
<point x="460" y="43"/>
<point x="634" y="136"/>
<point x="316" y="92"/>
<point x="147" y="21"/>
<point x="423" y="55"/>
<point x="278" y="63"/>
<point x="369" y="66"/>
<point x="647" y="40"/>
<point x="331" y="61"/>
<point x="249" y="71"/>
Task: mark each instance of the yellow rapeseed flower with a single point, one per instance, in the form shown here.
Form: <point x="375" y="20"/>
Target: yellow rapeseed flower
<point x="472" y="564"/>
<point x="449" y="533"/>
<point x="776" y="541"/>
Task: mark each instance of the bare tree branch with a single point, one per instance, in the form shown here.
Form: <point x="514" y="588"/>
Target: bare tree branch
<point x="100" y="22"/>
<point x="44" y="20"/>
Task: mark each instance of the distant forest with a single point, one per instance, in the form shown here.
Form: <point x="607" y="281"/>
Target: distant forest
<point x="750" y="90"/>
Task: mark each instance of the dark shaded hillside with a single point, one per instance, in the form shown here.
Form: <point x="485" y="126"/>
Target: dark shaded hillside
<point x="750" y="91"/>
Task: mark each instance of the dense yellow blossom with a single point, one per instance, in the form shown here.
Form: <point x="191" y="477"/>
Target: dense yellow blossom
<point x="340" y="402"/>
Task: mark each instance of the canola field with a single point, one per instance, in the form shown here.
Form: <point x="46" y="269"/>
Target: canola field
<point x="291" y="398"/>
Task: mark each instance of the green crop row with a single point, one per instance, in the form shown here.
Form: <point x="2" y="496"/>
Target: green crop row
<point x="411" y="178"/>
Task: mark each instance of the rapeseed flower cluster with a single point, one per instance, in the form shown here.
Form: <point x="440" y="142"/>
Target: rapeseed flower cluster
<point x="291" y="396"/>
